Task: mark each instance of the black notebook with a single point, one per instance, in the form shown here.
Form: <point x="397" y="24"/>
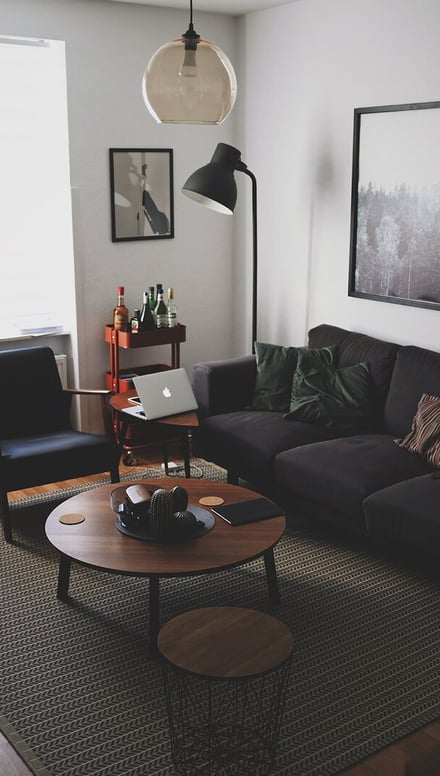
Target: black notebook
<point x="248" y="511"/>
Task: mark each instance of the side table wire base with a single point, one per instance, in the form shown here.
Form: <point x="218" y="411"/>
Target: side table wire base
<point x="224" y="727"/>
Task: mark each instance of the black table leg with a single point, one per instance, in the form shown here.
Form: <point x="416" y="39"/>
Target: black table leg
<point x="63" y="578"/>
<point x="271" y="576"/>
<point x="154" y="614"/>
<point x="186" y="454"/>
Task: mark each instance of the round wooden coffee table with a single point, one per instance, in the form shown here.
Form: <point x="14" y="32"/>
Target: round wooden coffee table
<point x="96" y="542"/>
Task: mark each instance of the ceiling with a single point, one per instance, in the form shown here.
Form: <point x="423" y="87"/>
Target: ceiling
<point x="234" y="7"/>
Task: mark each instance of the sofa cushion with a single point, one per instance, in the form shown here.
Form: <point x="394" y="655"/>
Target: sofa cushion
<point x="276" y="366"/>
<point x="424" y="437"/>
<point x="354" y="348"/>
<point x="246" y="442"/>
<point x="407" y="513"/>
<point x="417" y="371"/>
<point x="342" y="472"/>
<point x="339" y="399"/>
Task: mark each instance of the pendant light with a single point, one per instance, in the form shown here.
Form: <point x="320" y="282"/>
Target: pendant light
<point x="189" y="81"/>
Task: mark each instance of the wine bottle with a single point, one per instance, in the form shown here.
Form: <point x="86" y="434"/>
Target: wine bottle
<point x="161" y="312"/>
<point x="146" y="319"/>
<point x="120" y="312"/>
<point x="151" y="299"/>
<point x="135" y="322"/>
<point x="172" y="309"/>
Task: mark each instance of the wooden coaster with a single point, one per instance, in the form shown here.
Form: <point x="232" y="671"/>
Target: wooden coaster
<point x="211" y="501"/>
<point x="72" y="519"/>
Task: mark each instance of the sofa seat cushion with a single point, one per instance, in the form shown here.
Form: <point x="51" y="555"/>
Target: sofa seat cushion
<point x="246" y="442"/>
<point x="407" y="513"/>
<point x="342" y="472"/>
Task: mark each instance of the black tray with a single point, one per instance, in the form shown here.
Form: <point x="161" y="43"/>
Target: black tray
<point x="205" y="519"/>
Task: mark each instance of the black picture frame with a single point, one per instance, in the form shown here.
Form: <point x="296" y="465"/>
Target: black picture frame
<point x="395" y="205"/>
<point x="141" y="193"/>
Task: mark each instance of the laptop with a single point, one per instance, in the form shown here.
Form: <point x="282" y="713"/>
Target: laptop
<point x="162" y="394"/>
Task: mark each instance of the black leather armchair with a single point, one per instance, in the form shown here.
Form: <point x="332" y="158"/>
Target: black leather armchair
<point x="37" y="442"/>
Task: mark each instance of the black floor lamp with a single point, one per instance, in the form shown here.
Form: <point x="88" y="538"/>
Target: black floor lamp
<point x="214" y="186"/>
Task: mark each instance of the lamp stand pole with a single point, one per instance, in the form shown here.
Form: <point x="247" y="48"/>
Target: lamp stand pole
<point x="254" y="252"/>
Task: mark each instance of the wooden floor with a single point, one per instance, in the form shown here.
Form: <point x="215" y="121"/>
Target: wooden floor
<point x="416" y="755"/>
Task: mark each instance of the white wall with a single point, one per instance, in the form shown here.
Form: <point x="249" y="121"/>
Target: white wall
<point x="305" y="67"/>
<point x="302" y="69"/>
<point x="108" y="46"/>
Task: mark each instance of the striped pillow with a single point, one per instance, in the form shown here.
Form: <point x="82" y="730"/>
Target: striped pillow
<point x="424" y="437"/>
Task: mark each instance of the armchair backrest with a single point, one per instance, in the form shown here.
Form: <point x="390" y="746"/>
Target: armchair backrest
<point x="32" y="400"/>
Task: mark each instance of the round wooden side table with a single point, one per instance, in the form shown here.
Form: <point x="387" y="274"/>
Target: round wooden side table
<point x="225" y="672"/>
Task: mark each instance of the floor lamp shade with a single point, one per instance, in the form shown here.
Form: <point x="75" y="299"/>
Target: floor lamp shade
<point x="214" y="186"/>
<point x="193" y="84"/>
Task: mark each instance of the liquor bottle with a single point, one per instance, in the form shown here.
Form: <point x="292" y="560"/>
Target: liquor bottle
<point x="151" y="299"/>
<point x="120" y="312"/>
<point x="172" y="309"/>
<point x="146" y="318"/>
<point x="135" y="322"/>
<point x="161" y="312"/>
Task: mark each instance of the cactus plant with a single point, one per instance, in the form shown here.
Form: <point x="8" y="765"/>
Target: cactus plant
<point x="180" y="498"/>
<point x="186" y="522"/>
<point x="162" y="521"/>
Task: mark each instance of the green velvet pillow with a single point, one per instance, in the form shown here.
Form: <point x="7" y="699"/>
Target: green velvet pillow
<point x="275" y="368"/>
<point x="339" y="399"/>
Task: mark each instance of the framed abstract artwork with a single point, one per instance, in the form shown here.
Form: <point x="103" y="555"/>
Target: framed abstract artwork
<point x="395" y="205"/>
<point x="141" y="186"/>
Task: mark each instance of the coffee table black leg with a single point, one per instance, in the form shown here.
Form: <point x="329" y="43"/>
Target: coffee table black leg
<point x="271" y="576"/>
<point x="63" y="578"/>
<point x="154" y="614"/>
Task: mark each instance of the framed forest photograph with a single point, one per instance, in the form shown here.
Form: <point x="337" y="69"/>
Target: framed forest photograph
<point x="141" y="185"/>
<point x="395" y="205"/>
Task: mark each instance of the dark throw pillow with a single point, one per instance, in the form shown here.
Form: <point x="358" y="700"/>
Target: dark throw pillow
<point x="275" y="369"/>
<point x="339" y="399"/>
<point x="424" y="437"/>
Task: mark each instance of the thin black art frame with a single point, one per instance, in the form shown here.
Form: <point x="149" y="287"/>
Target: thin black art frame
<point x="141" y="193"/>
<point x="395" y="205"/>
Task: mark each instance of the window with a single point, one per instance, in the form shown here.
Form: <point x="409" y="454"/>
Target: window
<point x="36" y="246"/>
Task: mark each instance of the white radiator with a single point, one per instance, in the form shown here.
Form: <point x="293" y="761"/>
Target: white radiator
<point x="62" y="368"/>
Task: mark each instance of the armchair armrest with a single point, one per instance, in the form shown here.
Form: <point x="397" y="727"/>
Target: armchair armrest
<point x="224" y="386"/>
<point x="104" y="395"/>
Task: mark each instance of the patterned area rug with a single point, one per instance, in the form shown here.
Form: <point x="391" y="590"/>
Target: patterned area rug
<point x="198" y="468"/>
<point x="80" y="696"/>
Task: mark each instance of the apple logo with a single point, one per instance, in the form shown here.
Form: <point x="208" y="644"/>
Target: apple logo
<point x="166" y="392"/>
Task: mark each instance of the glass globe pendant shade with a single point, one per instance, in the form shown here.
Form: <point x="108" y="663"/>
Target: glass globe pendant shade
<point x="189" y="84"/>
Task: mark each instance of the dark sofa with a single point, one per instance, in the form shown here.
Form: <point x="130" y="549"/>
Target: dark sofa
<point x="361" y="481"/>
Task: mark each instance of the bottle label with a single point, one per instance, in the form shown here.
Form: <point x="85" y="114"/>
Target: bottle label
<point x="120" y="322"/>
<point x="161" y="321"/>
<point x="172" y="319"/>
<point x="134" y="326"/>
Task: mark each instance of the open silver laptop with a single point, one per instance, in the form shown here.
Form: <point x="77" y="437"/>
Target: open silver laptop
<point x="162" y="394"/>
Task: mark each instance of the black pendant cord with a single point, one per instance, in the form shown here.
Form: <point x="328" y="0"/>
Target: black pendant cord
<point x="191" y="38"/>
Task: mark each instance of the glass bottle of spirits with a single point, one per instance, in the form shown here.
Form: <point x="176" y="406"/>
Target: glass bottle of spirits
<point x="151" y="299"/>
<point x="146" y="318"/>
<point x="172" y="309"/>
<point x="152" y="303"/>
<point x="120" y="312"/>
<point x="135" y="322"/>
<point x="161" y="312"/>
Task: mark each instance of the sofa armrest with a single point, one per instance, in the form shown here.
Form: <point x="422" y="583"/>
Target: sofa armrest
<point x="224" y="386"/>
